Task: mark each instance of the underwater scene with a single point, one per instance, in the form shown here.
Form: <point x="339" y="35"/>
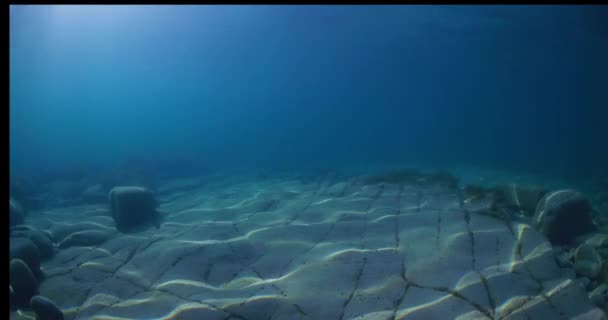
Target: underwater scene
<point x="269" y="162"/>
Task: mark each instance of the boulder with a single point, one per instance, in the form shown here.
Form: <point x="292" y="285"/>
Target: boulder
<point x="16" y="213"/>
<point x="45" y="309"/>
<point x="133" y="207"/>
<point x="39" y="238"/>
<point x="563" y="215"/>
<point x="22" y="281"/>
<point x="25" y="250"/>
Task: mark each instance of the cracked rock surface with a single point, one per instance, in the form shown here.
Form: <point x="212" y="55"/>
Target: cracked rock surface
<point x="319" y="249"/>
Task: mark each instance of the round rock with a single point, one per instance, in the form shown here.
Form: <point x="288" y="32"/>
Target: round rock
<point x="133" y="207"/>
<point x="45" y="309"/>
<point x="40" y="239"/>
<point x="22" y="281"/>
<point x="563" y="215"/>
<point x="26" y="250"/>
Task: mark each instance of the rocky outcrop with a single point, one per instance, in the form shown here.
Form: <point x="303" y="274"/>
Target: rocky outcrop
<point x="563" y="215"/>
<point x="23" y="283"/>
<point x="287" y="249"/>
<point x="133" y="207"/>
<point x="40" y="239"/>
<point x="45" y="309"/>
<point x="25" y="250"/>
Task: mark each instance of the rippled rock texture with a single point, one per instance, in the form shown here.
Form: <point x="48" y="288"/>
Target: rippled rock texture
<point x="322" y="249"/>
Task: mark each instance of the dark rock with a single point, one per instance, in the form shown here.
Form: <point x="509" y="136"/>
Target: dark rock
<point x="16" y="213"/>
<point x="84" y="238"/>
<point x="40" y="239"/>
<point x="133" y="207"/>
<point x="563" y="215"/>
<point x="23" y="282"/>
<point x="45" y="309"/>
<point x="24" y="249"/>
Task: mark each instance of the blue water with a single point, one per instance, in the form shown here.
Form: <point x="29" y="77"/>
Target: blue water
<point x="522" y="88"/>
<point x="271" y="114"/>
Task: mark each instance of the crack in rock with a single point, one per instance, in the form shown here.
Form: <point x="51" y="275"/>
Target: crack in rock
<point x="484" y="281"/>
<point x="438" y="231"/>
<point x="245" y="258"/>
<point x="364" y="260"/>
<point x="402" y="271"/>
<point x="321" y="239"/>
<point x="352" y="293"/>
<point x="541" y="288"/>
<point x="88" y="292"/>
<point x="312" y="199"/>
<point x="454" y="293"/>
<point x="397" y="218"/>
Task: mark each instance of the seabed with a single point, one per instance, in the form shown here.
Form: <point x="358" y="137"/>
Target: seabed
<point x="324" y="247"/>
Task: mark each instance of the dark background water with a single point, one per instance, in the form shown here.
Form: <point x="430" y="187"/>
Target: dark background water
<point x="295" y="87"/>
